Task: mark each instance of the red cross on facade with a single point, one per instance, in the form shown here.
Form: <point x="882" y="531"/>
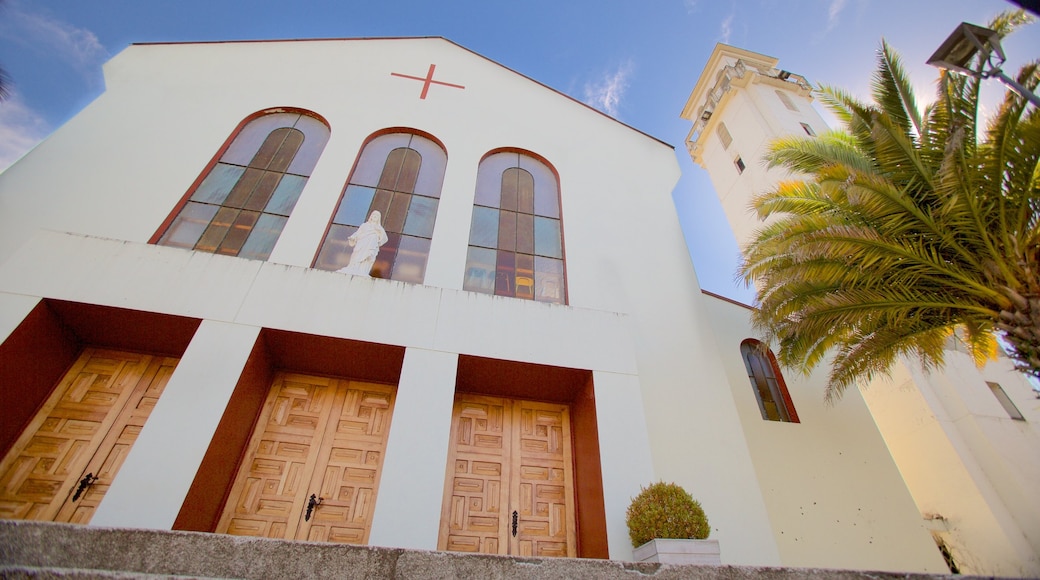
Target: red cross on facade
<point x="427" y="81"/>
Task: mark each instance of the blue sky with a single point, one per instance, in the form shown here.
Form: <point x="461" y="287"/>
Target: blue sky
<point x="634" y="59"/>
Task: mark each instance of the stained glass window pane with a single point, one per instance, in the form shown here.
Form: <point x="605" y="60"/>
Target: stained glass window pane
<point x="548" y="280"/>
<point x="525" y="233"/>
<point x="484" y="231"/>
<point x="409" y="171"/>
<point x="373" y="158"/>
<point x="262" y="192"/>
<point x="489" y="178"/>
<point x="507" y="230"/>
<point x="286" y="150"/>
<point x="335" y="252"/>
<point x="480" y="270"/>
<point x="385" y="260"/>
<point x="244" y="188"/>
<point x="524" y="276"/>
<point x="431" y="171"/>
<point x="316" y="135"/>
<point x="393" y="220"/>
<point x="237" y="234"/>
<point x="189" y="225"/>
<point x="509" y="188"/>
<point x="410" y="265"/>
<point x="249" y="139"/>
<point x="353" y="210"/>
<point x="263" y="237"/>
<point x="547" y="241"/>
<point x="524" y="192"/>
<point x="285" y="195"/>
<point x="421" y="216"/>
<point x="505" y="270"/>
<point x="217" y="185"/>
<point x="217" y="229"/>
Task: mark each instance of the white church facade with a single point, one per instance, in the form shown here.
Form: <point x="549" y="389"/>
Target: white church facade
<point x="188" y="339"/>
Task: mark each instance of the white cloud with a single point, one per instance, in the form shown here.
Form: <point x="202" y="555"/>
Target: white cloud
<point x="726" y="29"/>
<point x="833" y="12"/>
<point x="606" y="93"/>
<point x="21" y="129"/>
<point x="77" y="47"/>
<point x="691" y="6"/>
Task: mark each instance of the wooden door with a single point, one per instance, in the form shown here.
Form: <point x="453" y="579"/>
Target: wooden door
<point x="315" y="435"/>
<point x="85" y="429"/>
<point x="509" y="456"/>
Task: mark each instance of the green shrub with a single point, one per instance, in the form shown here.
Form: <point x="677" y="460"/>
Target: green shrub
<point x="665" y="510"/>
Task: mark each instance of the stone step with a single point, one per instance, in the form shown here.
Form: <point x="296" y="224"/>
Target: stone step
<point x="48" y="550"/>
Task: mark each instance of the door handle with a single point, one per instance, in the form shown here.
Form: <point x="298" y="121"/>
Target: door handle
<point x="515" y="519"/>
<point x="312" y="503"/>
<point x="87" y="481"/>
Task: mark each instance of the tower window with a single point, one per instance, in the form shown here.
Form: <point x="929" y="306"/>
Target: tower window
<point x="739" y="163"/>
<point x="808" y="130"/>
<point x="724" y="135"/>
<point x="786" y="100"/>
<point x="1005" y="401"/>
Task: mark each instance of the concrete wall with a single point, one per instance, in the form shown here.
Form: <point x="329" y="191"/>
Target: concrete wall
<point x="835" y="496"/>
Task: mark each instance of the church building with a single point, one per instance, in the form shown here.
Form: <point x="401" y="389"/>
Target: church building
<point x="390" y="292"/>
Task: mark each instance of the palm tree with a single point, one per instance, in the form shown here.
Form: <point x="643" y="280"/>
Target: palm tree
<point x="904" y="229"/>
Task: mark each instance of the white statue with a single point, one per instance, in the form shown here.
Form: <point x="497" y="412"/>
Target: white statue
<point x="366" y="242"/>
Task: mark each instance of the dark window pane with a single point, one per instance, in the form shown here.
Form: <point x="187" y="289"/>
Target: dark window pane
<point x="547" y="240"/>
<point x="286" y="151"/>
<point x="381" y="203"/>
<point x="240" y="230"/>
<point x="267" y="151"/>
<point x="262" y="192"/>
<point x="410" y="265"/>
<point x="409" y="171"/>
<point x="480" y="270"/>
<point x="524" y="192"/>
<point x="353" y="210"/>
<point x="392" y="169"/>
<point x="263" y="237"/>
<point x="509" y="188"/>
<point x="244" y="188"/>
<point x="507" y="230"/>
<point x="485" y="227"/>
<point x="185" y="230"/>
<point x="217" y="185"/>
<point x="504" y="272"/>
<point x="387" y="253"/>
<point x="393" y="220"/>
<point x="335" y="251"/>
<point x="548" y="280"/>
<point x="285" y="195"/>
<point x="218" y="228"/>
<point x="524" y="233"/>
<point x="421" y="215"/>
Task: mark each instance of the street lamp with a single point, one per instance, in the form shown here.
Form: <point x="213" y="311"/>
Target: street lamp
<point x="968" y="40"/>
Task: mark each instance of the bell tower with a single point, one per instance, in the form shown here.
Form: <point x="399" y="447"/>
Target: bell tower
<point x="740" y="103"/>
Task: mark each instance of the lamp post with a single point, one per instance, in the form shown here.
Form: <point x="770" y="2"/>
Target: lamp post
<point x="957" y="52"/>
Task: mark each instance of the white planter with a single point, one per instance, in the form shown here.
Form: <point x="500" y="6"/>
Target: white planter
<point x="705" y="552"/>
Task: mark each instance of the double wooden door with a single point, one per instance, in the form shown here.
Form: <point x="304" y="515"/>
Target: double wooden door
<point x="65" y="460"/>
<point x="316" y="436"/>
<point x="509" y="487"/>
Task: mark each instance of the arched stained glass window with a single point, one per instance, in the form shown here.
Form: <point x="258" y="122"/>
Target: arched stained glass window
<point x="242" y="204"/>
<point x="516" y="237"/>
<point x="773" y="399"/>
<point x="399" y="175"/>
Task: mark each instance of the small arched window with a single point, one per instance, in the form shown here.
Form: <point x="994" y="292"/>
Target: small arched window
<point x="773" y="399"/>
<point x="516" y="236"/>
<point x="242" y="204"/>
<point x="398" y="174"/>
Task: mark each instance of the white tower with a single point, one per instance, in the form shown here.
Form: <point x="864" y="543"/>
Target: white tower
<point x="740" y="103"/>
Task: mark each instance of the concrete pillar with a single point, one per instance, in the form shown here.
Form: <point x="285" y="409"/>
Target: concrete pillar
<point x="411" y="488"/>
<point x="151" y="486"/>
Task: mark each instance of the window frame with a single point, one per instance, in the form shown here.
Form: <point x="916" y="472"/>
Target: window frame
<point x="218" y="158"/>
<point x="780" y="395"/>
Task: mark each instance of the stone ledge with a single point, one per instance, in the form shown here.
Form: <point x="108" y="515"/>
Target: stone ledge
<point x="48" y="550"/>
